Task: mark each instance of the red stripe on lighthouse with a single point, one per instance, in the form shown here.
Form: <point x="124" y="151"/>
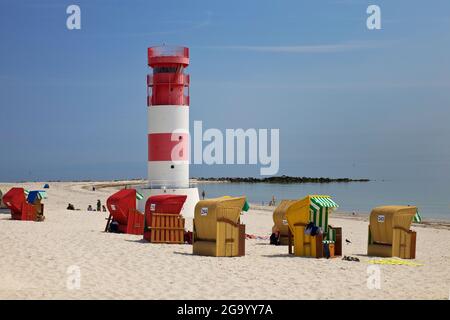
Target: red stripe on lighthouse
<point x="168" y="147"/>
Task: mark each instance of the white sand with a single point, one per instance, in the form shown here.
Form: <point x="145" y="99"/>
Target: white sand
<point x="35" y="257"/>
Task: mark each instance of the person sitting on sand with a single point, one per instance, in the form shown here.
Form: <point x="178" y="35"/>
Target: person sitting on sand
<point x="70" y="207"/>
<point x="275" y="236"/>
<point x="104" y="208"/>
<point x="89" y="208"/>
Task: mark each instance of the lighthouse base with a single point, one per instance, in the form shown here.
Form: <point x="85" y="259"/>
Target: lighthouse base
<point x="188" y="207"/>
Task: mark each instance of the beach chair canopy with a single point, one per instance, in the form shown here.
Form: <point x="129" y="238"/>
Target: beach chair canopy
<point x="46" y="186"/>
<point x="165" y="203"/>
<point x="384" y="219"/>
<point x="32" y="196"/>
<point x="320" y="207"/>
<point x="14" y="198"/>
<point x="120" y="203"/>
<point x="246" y="206"/>
<point x="312" y="208"/>
<point x="209" y="212"/>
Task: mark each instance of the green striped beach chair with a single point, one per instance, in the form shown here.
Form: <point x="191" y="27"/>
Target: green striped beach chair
<point x="320" y="207"/>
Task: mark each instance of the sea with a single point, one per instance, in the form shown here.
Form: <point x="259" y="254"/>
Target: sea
<point x="431" y="197"/>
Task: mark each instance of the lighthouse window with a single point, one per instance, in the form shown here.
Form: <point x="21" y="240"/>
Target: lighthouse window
<point x="164" y="70"/>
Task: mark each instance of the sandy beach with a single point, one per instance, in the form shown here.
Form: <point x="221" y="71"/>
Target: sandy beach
<point x="37" y="259"/>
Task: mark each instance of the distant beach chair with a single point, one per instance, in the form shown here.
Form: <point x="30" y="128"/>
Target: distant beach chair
<point x="390" y="234"/>
<point x="122" y="208"/>
<point x="310" y="235"/>
<point x="24" y="208"/>
<point x="163" y="222"/>
<point x="2" y="204"/>
<point x="217" y="228"/>
<point x="46" y="186"/>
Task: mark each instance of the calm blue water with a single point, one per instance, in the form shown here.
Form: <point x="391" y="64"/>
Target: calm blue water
<point x="432" y="198"/>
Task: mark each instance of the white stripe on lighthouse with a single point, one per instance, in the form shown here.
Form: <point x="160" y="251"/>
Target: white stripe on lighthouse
<point x="168" y="119"/>
<point x="167" y="174"/>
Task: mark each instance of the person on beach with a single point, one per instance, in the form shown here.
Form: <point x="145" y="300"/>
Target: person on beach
<point x="99" y="205"/>
<point x="89" y="208"/>
<point x="272" y="202"/>
<point x="275" y="236"/>
<point x="203" y="194"/>
<point x="103" y="208"/>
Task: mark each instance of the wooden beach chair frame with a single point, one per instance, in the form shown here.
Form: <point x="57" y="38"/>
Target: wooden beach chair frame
<point x="395" y="240"/>
<point x="166" y="228"/>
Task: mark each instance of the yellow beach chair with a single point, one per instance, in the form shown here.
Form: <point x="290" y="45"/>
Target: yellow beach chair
<point x="280" y="221"/>
<point x="217" y="228"/>
<point x="390" y="234"/>
<point x="316" y="209"/>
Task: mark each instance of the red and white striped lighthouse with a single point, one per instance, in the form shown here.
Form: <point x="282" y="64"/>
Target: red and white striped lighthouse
<point x="168" y="125"/>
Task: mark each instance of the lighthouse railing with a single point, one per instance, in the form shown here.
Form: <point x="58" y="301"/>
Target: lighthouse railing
<point x="170" y="184"/>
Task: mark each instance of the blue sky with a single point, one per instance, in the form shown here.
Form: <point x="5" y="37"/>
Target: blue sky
<point x="349" y="102"/>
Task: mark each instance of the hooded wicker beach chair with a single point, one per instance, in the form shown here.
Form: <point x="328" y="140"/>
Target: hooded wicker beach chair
<point x="280" y="221"/>
<point x="2" y="204"/>
<point x="312" y="210"/>
<point x="24" y="206"/>
<point x="390" y="234"/>
<point x="217" y="228"/>
<point x="122" y="208"/>
<point x="163" y="220"/>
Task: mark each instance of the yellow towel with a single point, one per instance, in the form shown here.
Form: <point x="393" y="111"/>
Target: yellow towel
<point x="398" y="262"/>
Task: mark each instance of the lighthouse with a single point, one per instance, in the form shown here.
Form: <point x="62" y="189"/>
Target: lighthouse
<point x="168" y="126"/>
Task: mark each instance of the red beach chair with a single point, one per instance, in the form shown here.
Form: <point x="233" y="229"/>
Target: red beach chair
<point x="163" y="222"/>
<point x="15" y="200"/>
<point x="122" y="208"/>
